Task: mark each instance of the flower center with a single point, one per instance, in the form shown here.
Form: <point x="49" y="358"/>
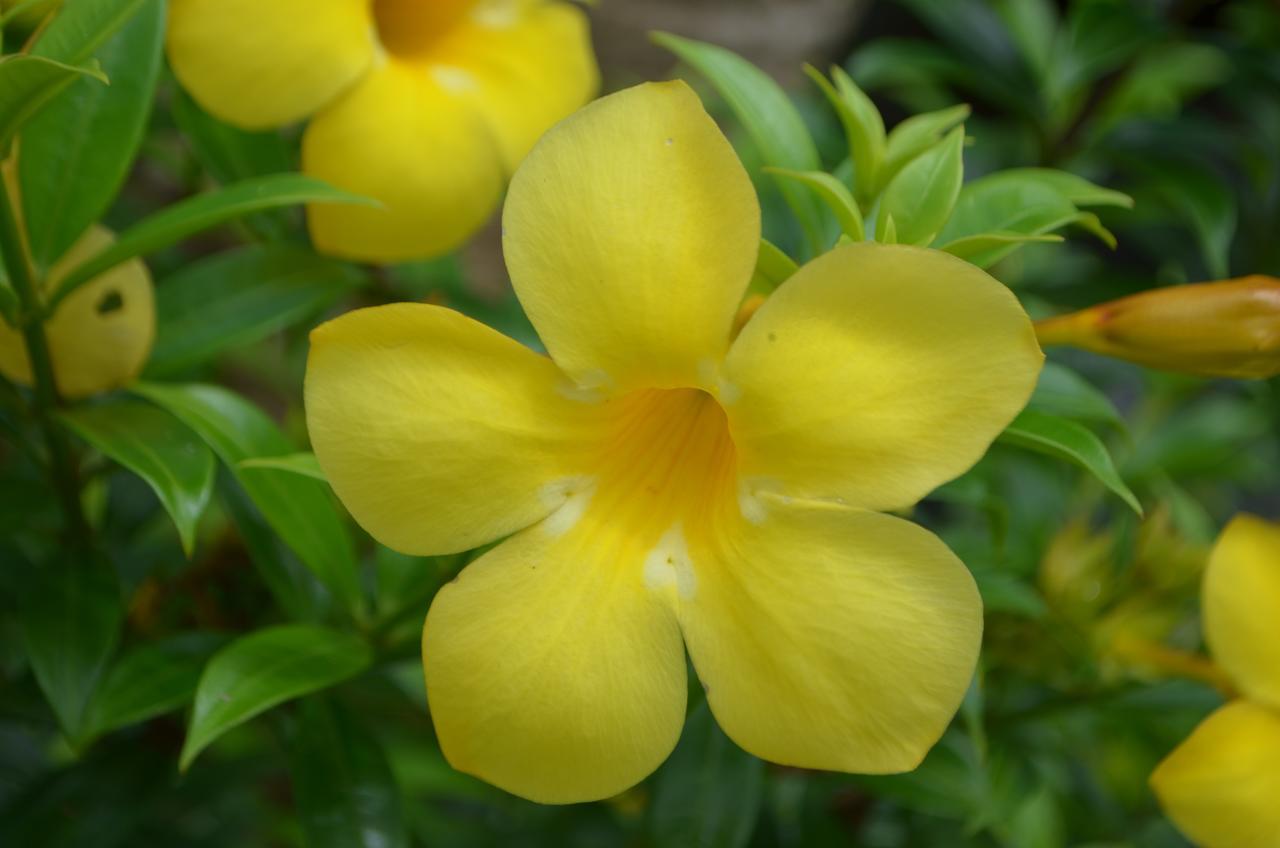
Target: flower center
<point x="408" y="27"/>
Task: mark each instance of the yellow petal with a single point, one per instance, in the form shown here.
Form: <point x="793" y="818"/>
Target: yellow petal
<point x="437" y="433"/>
<point x="262" y="64"/>
<point x="551" y="672"/>
<point x="402" y="139"/>
<point x="877" y="373"/>
<point x="1242" y="606"/>
<point x="1221" y="786"/>
<point x="630" y="233"/>
<point x="831" y="638"/>
<point x="101" y="335"/>
<point x="525" y="64"/>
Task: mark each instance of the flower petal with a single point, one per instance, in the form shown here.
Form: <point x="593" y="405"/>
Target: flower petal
<point x="525" y="64"/>
<point x="630" y="234"/>
<point x="551" y="671"/>
<point x="261" y="65"/>
<point x="437" y="433"/>
<point x="832" y="638"/>
<point x="402" y="139"/>
<point x="877" y="373"/>
<point x="1220" y="786"/>
<point x="101" y="335"/>
<point x="1242" y="606"/>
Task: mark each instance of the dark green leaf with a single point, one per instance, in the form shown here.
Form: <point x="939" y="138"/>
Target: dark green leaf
<point x="201" y="212"/>
<point x="300" y="509"/>
<point x="1065" y="393"/>
<point x="708" y="793"/>
<point x="920" y="198"/>
<point x="1065" y="439"/>
<point x="258" y="671"/>
<point x="347" y="796"/>
<point x="82" y="26"/>
<point x="775" y="127"/>
<point x="303" y="464"/>
<point x="238" y="297"/>
<point x="76" y="152"/>
<point x="70" y="619"/>
<point x="1075" y="189"/>
<point x="151" y="680"/>
<point x="158" y="448"/>
<point x="30" y="83"/>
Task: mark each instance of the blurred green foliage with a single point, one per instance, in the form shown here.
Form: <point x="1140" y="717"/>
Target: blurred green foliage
<point x="116" y="662"/>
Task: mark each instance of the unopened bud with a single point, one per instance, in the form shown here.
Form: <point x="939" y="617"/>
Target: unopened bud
<point x="1229" y="328"/>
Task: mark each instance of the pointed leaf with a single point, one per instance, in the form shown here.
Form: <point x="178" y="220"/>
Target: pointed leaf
<point x="151" y="680"/>
<point x="29" y="83"/>
<point x="303" y="464"/>
<point x="831" y="192"/>
<point x="917" y="134"/>
<point x="920" y="198"/>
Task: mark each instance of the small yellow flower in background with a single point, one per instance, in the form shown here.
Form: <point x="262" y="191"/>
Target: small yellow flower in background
<point x="664" y="487"/>
<point x="1229" y="328"/>
<point x="426" y="107"/>
<point x="101" y="335"/>
<point x="1221" y="786"/>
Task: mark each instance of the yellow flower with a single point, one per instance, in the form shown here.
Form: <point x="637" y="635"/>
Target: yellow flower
<point x="425" y="106"/>
<point x="664" y="488"/>
<point x="1228" y="328"/>
<point x="1221" y="786"/>
<point x="101" y="335"/>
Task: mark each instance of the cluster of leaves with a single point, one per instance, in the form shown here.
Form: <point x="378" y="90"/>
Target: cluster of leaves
<point x="229" y="661"/>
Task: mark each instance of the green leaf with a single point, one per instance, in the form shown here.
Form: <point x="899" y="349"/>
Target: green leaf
<point x="303" y="464"/>
<point x="920" y="198"/>
<point x="832" y="192"/>
<point x="1075" y="189"/>
<point x="258" y="671"/>
<point x="1203" y="201"/>
<point x="28" y="84"/>
<point x="299" y="509"/>
<point x="1065" y="439"/>
<point x="775" y="127"/>
<point x="708" y="793"/>
<point x="158" y="448"/>
<point x="917" y="134"/>
<point x="77" y="152"/>
<point x="238" y="297"/>
<point x="1033" y="25"/>
<point x="863" y="127"/>
<point x="773" y="268"/>
<point x="70" y="619"/>
<point x="201" y="212"/>
<point x="346" y="794"/>
<point x="81" y="27"/>
<point x="984" y="249"/>
<point x="1065" y="393"/>
<point x="999" y="204"/>
<point x="151" y="680"/>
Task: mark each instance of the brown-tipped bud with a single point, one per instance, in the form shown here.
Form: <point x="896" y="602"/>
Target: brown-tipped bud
<point x="1229" y="328"/>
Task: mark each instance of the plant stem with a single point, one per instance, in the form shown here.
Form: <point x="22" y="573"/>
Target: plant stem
<point x="63" y="466"/>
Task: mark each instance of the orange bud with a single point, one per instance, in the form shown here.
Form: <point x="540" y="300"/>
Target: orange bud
<point x="1229" y="328"/>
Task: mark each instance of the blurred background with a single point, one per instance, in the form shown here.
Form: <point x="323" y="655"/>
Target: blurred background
<point x="1088" y="676"/>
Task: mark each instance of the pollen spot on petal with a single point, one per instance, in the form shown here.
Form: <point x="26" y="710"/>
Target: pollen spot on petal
<point x="668" y="565"/>
<point x="567" y="516"/>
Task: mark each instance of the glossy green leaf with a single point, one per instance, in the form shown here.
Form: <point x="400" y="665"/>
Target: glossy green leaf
<point x="304" y="464"/>
<point x="833" y="193"/>
<point x="82" y="26"/>
<point x="153" y="679"/>
<point x="1065" y="393"/>
<point x="29" y="83"/>
<point x="258" y="671"/>
<point x="157" y="447"/>
<point x="77" y="152"/>
<point x="709" y="791"/>
<point x="775" y="127"/>
<point x="345" y="792"/>
<point x="984" y="249"/>
<point x="999" y="204"/>
<point x="863" y="127"/>
<point x="238" y="297"/>
<point x="201" y="212"/>
<point x="70" y="617"/>
<point x="920" y="198"/>
<point x="917" y="134"/>
<point x="1065" y="439"/>
<point x="1075" y="189"/>
<point x="299" y="509"/>
<point x="773" y="268"/>
<point x="1205" y="204"/>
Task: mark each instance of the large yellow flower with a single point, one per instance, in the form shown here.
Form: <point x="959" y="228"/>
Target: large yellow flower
<point x="1222" y="786"/>
<point x="665" y="486"/>
<point x="425" y="105"/>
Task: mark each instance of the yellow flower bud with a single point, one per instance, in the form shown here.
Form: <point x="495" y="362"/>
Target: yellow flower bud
<point x="101" y="335"/>
<point x="1228" y="328"/>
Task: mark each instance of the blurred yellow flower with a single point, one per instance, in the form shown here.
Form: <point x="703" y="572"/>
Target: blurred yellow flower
<point x="1221" y="786"/>
<point x="101" y="335"/>
<point x="425" y="106"/>
<point x="664" y="487"/>
<point x="1228" y="328"/>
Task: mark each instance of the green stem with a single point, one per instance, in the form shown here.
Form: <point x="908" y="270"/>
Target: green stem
<point x="63" y="466"/>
